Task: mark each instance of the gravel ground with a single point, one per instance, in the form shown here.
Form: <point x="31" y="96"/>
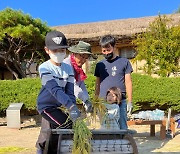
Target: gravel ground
<point x="26" y="138"/>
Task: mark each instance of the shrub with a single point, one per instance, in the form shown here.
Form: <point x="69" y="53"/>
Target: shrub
<point x="146" y="91"/>
<point x="23" y="90"/>
<point x="156" y="91"/>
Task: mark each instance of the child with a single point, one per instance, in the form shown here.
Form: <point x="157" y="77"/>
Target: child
<point x="113" y="98"/>
<point x="80" y="53"/>
<point x="57" y="85"/>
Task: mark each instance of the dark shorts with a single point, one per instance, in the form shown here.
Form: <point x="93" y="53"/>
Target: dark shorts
<point x="57" y="118"/>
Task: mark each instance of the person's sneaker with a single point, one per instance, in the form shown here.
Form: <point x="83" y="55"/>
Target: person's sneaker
<point x="39" y="151"/>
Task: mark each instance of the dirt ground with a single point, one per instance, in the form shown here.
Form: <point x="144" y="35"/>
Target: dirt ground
<point x="26" y="138"/>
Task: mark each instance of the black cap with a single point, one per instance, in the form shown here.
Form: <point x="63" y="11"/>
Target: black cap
<point x="55" y="40"/>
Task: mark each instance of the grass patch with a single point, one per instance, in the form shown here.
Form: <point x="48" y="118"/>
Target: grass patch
<point x="11" y="149"/>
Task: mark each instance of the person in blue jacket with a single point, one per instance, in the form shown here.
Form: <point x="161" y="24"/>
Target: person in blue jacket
<point x="57" y="90"/>
<point x="79" y="55"/>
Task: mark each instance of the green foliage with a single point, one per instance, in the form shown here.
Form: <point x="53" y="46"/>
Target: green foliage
<point x="20" y="25"/>
<point x="159" y="46"/>
<point x="92" y="67"/>
<point x="90" y="85"/>
<point x="178" y="10"/>
<point x="151" y="91"/>
<point x="4" y="150"/>
<point x="82" y="138"/>
<point x="94" y="62"/>
<point x="23" y="90"/>
<point x="156" y="91"/>
<point x="21" y="40"/>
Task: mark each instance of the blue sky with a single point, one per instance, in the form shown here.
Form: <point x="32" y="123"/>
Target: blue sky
<point x="64" y="12"/>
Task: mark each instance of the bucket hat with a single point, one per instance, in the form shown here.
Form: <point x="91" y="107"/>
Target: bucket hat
<point x="82" y="48"/>
<point x="55" y="40"/>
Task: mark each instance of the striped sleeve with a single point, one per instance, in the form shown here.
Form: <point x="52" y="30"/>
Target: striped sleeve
<point x="51" y="85"/>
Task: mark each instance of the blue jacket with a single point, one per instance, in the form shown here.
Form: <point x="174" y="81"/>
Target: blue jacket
<point x="57" y="86"/>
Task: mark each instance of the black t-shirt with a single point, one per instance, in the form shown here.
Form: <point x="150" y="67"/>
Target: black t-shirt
<point x="112" y="74"/>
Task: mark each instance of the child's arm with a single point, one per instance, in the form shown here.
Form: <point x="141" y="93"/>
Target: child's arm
<point x="51" y="85"/>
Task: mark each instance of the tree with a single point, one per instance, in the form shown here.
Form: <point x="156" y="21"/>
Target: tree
<point x="178" y="10"/>
<point x="21" y="41"/>
<point x="159" y="46"/>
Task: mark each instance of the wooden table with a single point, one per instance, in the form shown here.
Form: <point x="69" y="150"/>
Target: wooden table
<point x="152" y="124"/>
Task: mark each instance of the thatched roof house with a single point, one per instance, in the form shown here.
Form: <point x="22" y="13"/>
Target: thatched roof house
<point x="123" y="30"/>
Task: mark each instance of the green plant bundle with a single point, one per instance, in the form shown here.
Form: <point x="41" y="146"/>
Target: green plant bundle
<point x="107" y="121"/>
<point x="99" y="109"/>
<point x="82" y="138"/>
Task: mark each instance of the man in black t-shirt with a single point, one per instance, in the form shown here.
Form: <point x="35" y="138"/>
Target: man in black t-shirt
<point x="114" y="71"/>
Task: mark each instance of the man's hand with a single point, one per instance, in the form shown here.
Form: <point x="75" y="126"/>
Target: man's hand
<point x="74" y="113"/>
<point x="129" y="107"/>
<point x="88" y="106"/>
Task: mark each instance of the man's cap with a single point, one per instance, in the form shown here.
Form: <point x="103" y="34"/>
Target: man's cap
<point x="82" y="48"/>
<point x="55" y="40"/>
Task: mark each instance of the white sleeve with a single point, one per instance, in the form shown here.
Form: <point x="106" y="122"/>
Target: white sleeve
<point x="80" y="91"/>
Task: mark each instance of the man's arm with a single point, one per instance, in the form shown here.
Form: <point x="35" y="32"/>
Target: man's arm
<point x="128" y="84"/>
<point x="80" y="91"/>
<point x="97" y="86"/>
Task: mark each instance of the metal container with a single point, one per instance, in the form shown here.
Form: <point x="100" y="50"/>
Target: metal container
<point x="13" y="115"/>
<point x="103" y="141"/>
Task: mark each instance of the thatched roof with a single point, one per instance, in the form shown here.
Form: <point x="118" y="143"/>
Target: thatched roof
<point x="123" y="28"/>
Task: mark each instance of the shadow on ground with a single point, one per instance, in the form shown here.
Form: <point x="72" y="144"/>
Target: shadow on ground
<point x="147" y="144"/>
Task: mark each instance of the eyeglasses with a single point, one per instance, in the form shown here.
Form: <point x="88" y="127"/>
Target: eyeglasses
<point x="84" y="56"/>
